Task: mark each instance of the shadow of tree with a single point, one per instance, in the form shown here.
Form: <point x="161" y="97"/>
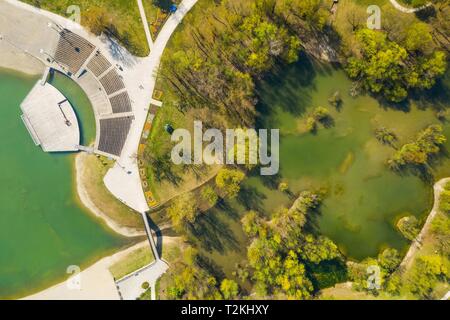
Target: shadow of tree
<point x="251" y="198"/>
<point x="211" y="233"/>
<point x="286" y="89"/>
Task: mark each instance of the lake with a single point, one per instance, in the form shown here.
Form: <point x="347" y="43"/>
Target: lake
<point x="44" y="229"/>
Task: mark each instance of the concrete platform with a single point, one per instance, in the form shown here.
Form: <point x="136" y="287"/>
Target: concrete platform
<point x="50" y="119"/>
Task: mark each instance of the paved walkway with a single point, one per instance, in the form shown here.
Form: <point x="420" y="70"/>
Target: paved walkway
<point x="415" y="246"/>
<point x="148" y="34"/>
<point x="403" y="9"/>
<point x="123" y="180"/>
<point x="130" y="287"/>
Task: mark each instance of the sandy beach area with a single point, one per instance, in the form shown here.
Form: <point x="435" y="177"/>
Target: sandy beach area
<point x="11" y="58"/>
<point x="88" y="203"/>
<point x="95" y="282"/>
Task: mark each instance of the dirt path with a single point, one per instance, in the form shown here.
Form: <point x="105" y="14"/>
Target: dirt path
<point x="403" y="9"/>
<point x="416" y="245"/>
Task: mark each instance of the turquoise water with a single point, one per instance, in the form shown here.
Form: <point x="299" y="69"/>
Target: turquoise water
<point x="43" y="227"/>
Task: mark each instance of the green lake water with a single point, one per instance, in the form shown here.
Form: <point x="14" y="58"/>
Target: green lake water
<point x="363" y="197"/>
<point x="43" y="227"/>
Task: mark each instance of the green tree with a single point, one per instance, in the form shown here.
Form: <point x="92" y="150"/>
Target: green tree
<point x="187" y="280"/>
<point x="418" y="37"/>
<point x="444" y="201"/>
<point x="252" y="224"/>
<point x="229" y="289"/>
<point x="229" y="181"/>
<point x="386" y="136"/>
<point x="319" y="249"/>
<point x="183" y="211"/>
<point x="426" y="272"/>
<point x="385" y="67"/>
<point x="389" y="259"/>
<point x="209" y="195"/>
<point x="440" y="227"/>
<point x="409" y="227"/>
<point x="394" y="284"/>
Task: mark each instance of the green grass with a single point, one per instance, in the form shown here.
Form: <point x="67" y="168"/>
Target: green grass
<point x="121" y="17"/>
<point x="132" y="262"/>
<point x="94" y="169"/>
<point x="147" y="295"/>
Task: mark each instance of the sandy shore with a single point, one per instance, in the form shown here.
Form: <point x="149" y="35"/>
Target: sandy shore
<point x="88" y="203"/>
<point x="14" y="59"/>
<point x="96" y="282"/>
<point x="417" y="243"/>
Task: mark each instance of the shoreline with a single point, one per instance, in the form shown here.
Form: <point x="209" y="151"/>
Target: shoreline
<point x="15" y="60"/>
<point x="96" y="281"/>
<point x="416" y="244"/>
<point x="93" y="209"/>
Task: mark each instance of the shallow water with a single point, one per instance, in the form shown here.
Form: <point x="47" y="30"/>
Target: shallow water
<point x="43" y="227"/>
<point x="364" y="198"/>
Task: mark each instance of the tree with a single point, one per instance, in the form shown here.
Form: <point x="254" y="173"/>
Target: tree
<point x="431" y="139"/>
<point x="311" y="124"/>
<point x="428" y="143"/>
<point x="426" y="272"/>
<point x="336" y="99"/>
<point x="394" y="284"/>
<point x="389" y="259"/>
<point x="384" y="67"/>
<point x="386" y="136"/>
<point x="321" y="114"/>
<point x="410" y="153"/>
<point x="229" y="181"/>
<point x="283" y="186"/>
<point x="252" y="224"/>
<point x="292" y="279"/>
<point x="182" y="211"/>
<point x="209" y="195"/>
<point x="319" y="249"/>
<point x="229" y="289"/>
<point x="187" y="280"/>
<point x="409" y="227"/>
<point x="359" y="274"/>
<point x="440" y="226"/>
<point x="418" y="37"/>
<point x="380" y="67"/>
<point x="444" y="201"/>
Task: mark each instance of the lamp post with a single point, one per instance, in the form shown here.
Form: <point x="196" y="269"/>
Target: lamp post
<point x="60" y="31"/>
<point x="42" y="51"/>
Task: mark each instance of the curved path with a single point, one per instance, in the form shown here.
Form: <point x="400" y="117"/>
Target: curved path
<point x="403" y="9"/>
<point x="139" y="77"/>
<point x="123" y="180"/>
<point x="415" y="246"/>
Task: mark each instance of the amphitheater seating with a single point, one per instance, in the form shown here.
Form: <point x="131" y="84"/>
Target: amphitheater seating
<point x="72" y="50"/>
<point x="98" y="64"/>
<point x="113" y="134"/>
<point x="112" y="82"/>
<point x="121" y="103"/>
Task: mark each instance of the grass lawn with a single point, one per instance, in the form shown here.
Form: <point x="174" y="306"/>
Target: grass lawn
<point x="92" y="178"/>
<point x="131" y="262"/>
<point x="119" y="17"/>
<point x="355" y="12"/>
<point x="147" y="295"/>
<point x="173" y="179"/>
<point x="157" y="13"/>
<point x="429" y="247"/>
